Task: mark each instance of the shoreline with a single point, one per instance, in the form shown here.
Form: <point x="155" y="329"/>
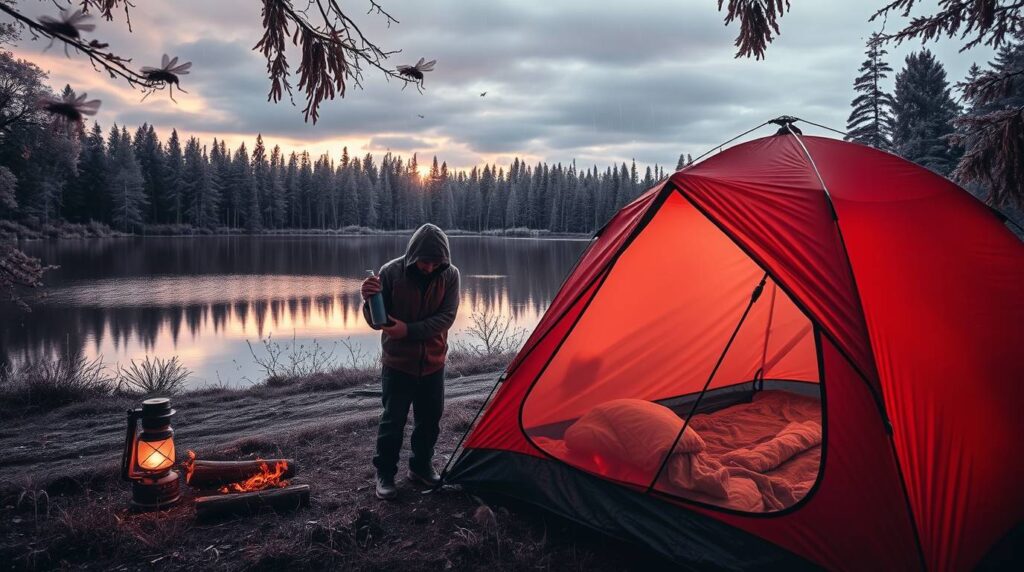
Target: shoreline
<point x="10" y="230"/>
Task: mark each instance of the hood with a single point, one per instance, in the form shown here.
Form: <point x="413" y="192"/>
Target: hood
<point x="428" y="241"/>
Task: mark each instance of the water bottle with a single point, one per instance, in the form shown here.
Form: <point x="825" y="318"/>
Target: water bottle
<point x="378" y="315"/>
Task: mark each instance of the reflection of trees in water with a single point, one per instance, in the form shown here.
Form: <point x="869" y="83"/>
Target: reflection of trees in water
<point x="518" y="277"/>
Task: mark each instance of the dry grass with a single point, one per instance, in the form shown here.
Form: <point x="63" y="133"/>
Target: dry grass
<point x="49" y="383"/>
<point x="462" y="363"/>
<point x="85" y="387"/>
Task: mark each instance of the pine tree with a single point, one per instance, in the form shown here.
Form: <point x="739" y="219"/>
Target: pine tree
<point x="871" y="121"/>
<point x="446" y="219"/>
<point x="149" y="153"/>
<point x="982" y="170"/>
<point x="244" y="191"/>
<point x="220" y="170"/>
<point x="369" y="199"/>
<point x="261" y="183"/>
<point x="125" y="182"/>
<point x="412" y="196"/>
<point x="473" y="206"/>
<point x="304" y="191"/>
<point x="291" y="190"/>
<point x="386" y="193"/>
<point x="348" y="187"/>
<point x="649" y="180"/>
<point x="368" y="206"/>
<point x="92" y="179"/>
<point x="202" y="181"/>
<point x="432" y="188"/>
<point x="47" y="161"/>
<point x="277" y="203"/>
<point x="323" y="180"/>
<point x="173" y="184"/>
<point x="924" y="111"/>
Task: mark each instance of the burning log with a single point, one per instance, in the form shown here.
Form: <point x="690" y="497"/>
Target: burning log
<point x="203" y="474"/>
<point x="285" y="499"/>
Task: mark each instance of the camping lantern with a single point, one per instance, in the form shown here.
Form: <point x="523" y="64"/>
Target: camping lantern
<point x="149" y="456"/>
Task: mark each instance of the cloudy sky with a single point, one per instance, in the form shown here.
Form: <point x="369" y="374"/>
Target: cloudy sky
<point x="565" y="79"/>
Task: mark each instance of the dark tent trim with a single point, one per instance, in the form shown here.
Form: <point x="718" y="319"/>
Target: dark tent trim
<point x="684" y="536"/>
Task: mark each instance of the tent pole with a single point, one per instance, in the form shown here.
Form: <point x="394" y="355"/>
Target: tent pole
<point x="753" y="298"/>
<point x="720" y="145"/>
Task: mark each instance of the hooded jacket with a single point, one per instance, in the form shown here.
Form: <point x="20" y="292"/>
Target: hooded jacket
<point x="426" y="303"/>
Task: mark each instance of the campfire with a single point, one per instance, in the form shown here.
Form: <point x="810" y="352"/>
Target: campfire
<point x="226" y="488"/>
<point x="265" y="479"/>
<point x="223" y="488"/>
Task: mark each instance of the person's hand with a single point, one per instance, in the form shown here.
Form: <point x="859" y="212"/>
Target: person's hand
<point x="397" y="330"/>
<point x="370" y="287"/>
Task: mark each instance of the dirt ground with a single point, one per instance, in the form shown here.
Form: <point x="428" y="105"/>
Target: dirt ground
<point x="62" y="505"/>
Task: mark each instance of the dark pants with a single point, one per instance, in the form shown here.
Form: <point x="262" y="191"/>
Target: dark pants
<point x="426" y="396"/>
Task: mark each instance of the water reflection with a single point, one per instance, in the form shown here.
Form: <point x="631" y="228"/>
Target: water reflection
<point x="203" y="298"/>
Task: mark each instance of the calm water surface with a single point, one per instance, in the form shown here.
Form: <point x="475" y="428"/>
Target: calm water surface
<point x="202" y="299"/>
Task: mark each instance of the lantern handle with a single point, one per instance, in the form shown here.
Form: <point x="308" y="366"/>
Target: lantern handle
<point x="128" y="458"/>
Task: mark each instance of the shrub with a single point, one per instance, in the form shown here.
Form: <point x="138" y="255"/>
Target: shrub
<point x="152" y="376"/>
<point x="281" y="362"/>
<point x="99" y="229"/>
<point x="169" y="229"/>
<point x="519" y="231"/>
<point x="491" y="333"/>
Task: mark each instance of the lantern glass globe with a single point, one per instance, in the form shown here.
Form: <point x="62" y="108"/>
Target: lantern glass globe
<point x="155" y="455"/>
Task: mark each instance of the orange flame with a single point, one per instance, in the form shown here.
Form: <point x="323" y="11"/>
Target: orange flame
<point x="189" y="465"/>
<point x="265" y="479"/>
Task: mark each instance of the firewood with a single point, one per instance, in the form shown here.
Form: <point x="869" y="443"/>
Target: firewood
<point x="214" y="474"/>
<point x="285" y="499"/>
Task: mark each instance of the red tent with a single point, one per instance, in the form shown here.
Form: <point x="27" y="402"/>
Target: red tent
<point x="797" y="351"/>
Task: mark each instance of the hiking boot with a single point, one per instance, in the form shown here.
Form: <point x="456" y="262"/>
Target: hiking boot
<point x="386" y="489"/>
<point x="425" y="476"/>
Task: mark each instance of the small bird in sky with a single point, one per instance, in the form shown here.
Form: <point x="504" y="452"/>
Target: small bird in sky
<point x="483" y="94"/>
<point x="420" y="116"/>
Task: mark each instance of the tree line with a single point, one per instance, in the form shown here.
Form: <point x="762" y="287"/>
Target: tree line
<point x="132" y="180"/>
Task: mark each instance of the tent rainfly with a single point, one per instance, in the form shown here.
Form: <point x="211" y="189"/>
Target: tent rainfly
<point x="797" y="352"/>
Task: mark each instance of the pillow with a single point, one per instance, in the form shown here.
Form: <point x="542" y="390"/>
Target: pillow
<point x="629" y="437"/>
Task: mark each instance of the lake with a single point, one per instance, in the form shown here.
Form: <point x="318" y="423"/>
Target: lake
<point x="206" y="299"/>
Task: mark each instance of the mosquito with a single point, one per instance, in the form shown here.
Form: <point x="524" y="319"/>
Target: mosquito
<point x="416" y="72"/>
<point x="165" y="75"/>
<point x="69" y="26"/>
<point x="68" y="107"/>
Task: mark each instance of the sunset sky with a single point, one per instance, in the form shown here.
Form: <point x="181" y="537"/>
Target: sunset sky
<point x="565" y="79"/>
